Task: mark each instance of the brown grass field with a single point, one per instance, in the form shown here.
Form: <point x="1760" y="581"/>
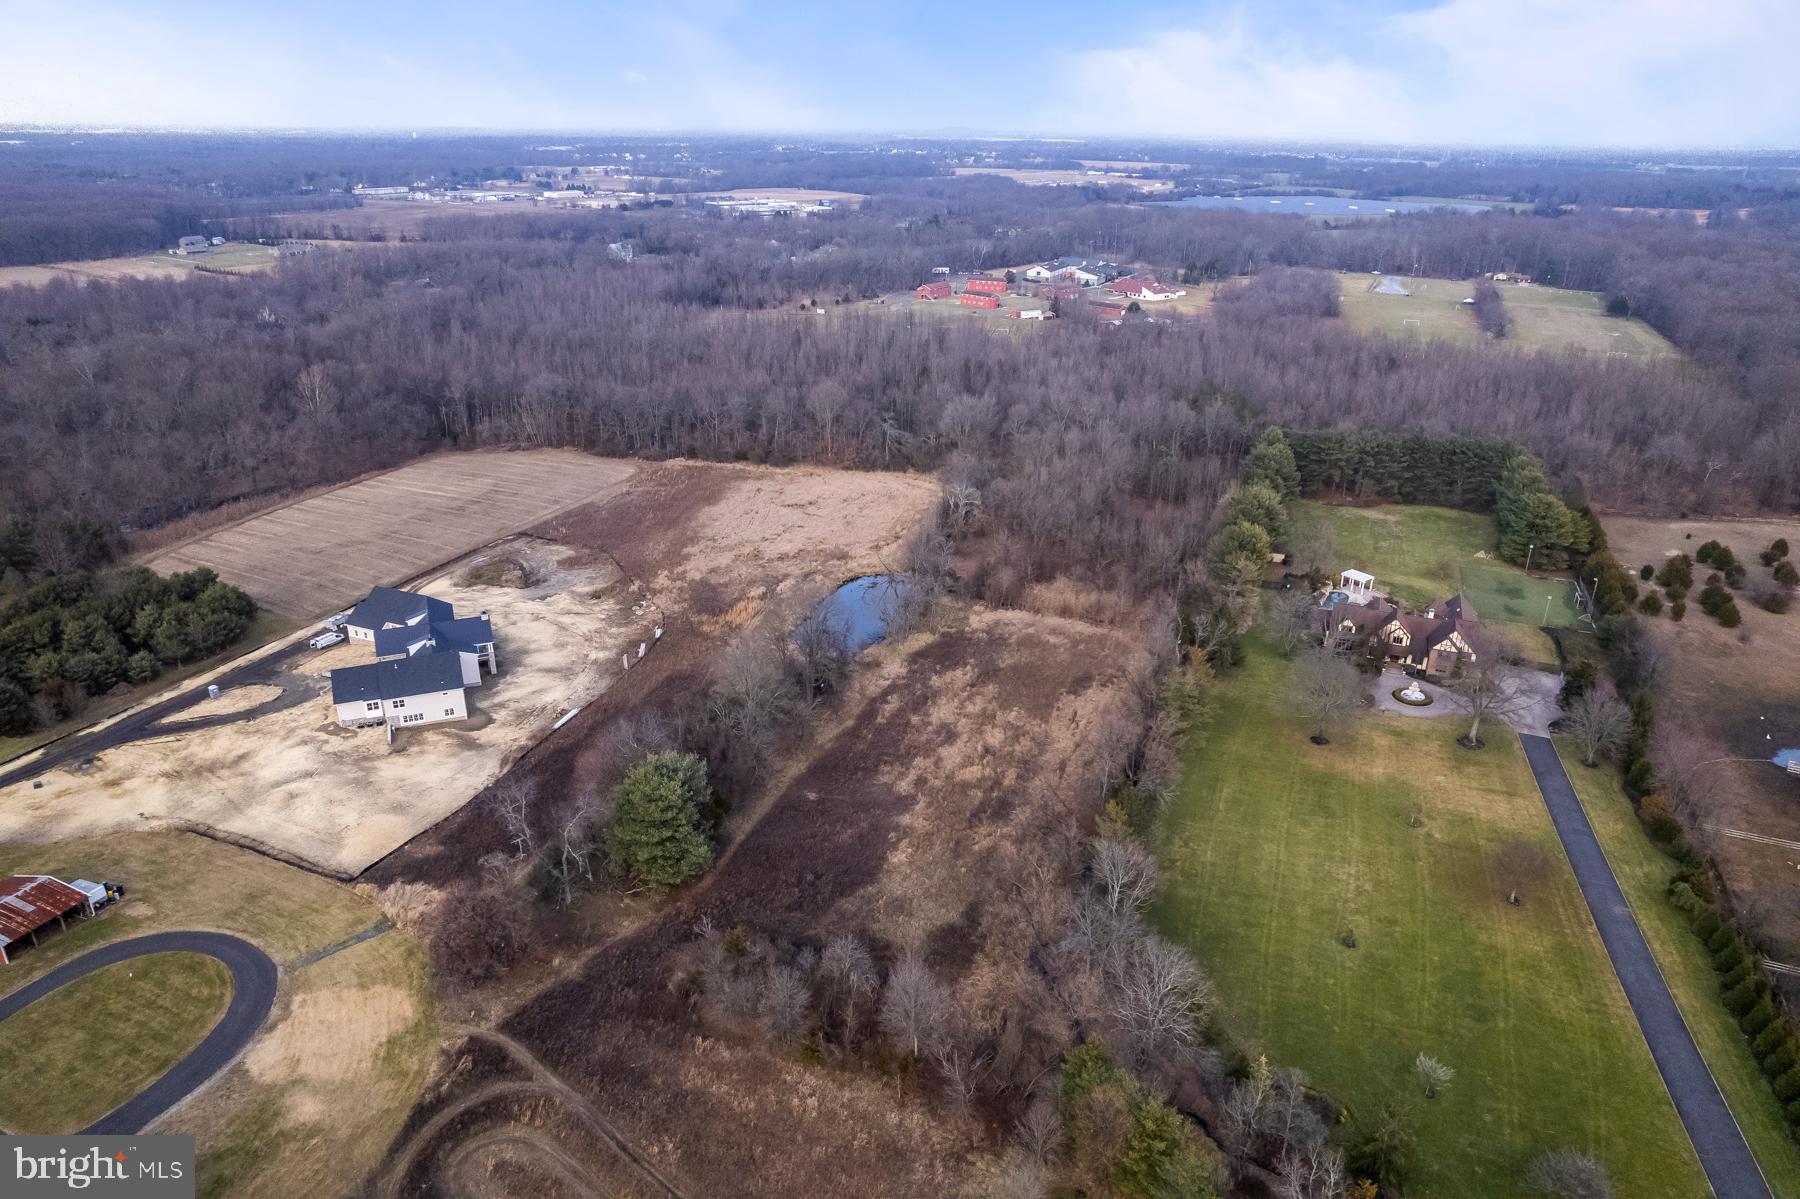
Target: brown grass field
<point x="234" y="259"/>
<point x="917" y="802"/>
<point x="1738" y="691"/>
<point x="308" y="558"/>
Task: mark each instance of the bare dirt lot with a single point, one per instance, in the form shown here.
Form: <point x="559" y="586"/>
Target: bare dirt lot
<point x="294" y="780"/>
<point x="1739" y="690"/>
<point x="309" y="558"/>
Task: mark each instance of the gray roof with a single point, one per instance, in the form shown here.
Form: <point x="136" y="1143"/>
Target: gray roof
<point x="467" y="634"/>
<point x="420" y="674"/>
<point x="390" y="605"/>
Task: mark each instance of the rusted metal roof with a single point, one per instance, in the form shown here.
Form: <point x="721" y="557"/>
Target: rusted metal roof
<point x="30" y="901"/>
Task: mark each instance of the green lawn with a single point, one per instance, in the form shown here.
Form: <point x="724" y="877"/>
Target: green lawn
<point x="1422" y="555"/>
<point x="1274" y="847"/>
<point x="1541" y="318"/>
<point x="1644" y="873"/>
<point x="104" y="1038"/>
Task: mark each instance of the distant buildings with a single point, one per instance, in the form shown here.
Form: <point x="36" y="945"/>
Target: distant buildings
<point x="192" y="244"/>
<point x="1085" y="271"/>
<point x="1144" y="288"/>
<point x="933" y="291"/>
<point x="986" y="287"/>
<point x="971" y="299"/>
<point x="365" y="190"/>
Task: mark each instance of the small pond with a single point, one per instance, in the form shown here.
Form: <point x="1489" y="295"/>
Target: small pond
<point x="864" y="608"/>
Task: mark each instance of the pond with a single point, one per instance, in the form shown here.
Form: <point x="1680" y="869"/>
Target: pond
<point x="1319" y="205"/>
<point x="863" y="608"/>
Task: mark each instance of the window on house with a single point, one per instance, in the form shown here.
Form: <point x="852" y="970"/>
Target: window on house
<point x="399" y="703"/>
<point x="449" y="711"/>
<point x="373" y="705"/>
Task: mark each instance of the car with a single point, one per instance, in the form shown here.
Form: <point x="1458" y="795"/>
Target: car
<point x="338" y="621"/>
<point x="328" y="637"/>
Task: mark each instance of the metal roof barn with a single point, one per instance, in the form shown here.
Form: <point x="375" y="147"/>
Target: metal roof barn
<point x="30" y="901"/>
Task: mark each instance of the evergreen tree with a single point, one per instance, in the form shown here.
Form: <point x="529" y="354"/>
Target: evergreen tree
<point x="658" y="834"/>
<point x="1271" y="463"/>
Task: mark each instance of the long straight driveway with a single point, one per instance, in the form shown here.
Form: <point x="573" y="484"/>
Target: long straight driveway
<point x="1724" y="1154"/>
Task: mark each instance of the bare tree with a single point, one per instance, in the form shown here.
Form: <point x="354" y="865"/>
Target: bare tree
<point x="511" y="802"/>
<point x="1040" y="1130"/>
<point x="1160" y="998"/>
<point x="915" y="1007"/>
<point x="568" y="860"/>
<point x="960" y="1069"/>
<point x="1326" y="690"/>
<point x="822" y="646"/>
<point x="315" y="394"/>
<point x="1600" y="722"/>
<point x="962" y="508"/>
<point x="1125" y="876"/>
<point x="1490" y="684"/>
<point x="1686" y="766"/>
<point x="1520" y="863"/>
<point x="1433" y="1075"/>
<point x="1569" y="1174"/>
<point x="1291" y="620"/>
<point x="781" y="1003"/>
<point x="849" y="979"/>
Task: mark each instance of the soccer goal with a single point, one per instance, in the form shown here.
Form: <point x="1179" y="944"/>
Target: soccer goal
<point x="1411" y="320"/>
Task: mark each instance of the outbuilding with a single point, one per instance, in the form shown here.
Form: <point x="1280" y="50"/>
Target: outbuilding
<point x="986" y="287"/>
<point x="976" y="300"/>
<point x="28" y="902"/>
<point x="932" y="291"/>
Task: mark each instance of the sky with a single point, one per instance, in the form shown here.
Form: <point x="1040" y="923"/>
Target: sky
<point x="1474" y="72"/>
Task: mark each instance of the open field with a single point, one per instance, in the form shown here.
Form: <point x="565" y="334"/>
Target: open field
<point x="915" y="805"/>
<point x="383" y="220"/>
<point x="293" y="779"/>
<point x="800" y="195"/>
<point x="1737" y="693"/>
<point x="1275" y="848"/>
<point x="1644" y="873"/>
<point x="234" y="258"/>
<point x="1421" y="555"/>
<point x="1543" y="318"/>
<point x="1551" y="318"/>
<point x="104" y="1038"/>
<point x="1044" y="178"/>
<point x="281" y="1133"/>
<point x="311" y="557"/>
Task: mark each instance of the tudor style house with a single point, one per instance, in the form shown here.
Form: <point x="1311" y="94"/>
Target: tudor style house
<point x="425" y="656"/>
<point x="1432" y="643"/>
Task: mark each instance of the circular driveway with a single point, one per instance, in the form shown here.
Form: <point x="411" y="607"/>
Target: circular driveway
<point x="253" y="978"/>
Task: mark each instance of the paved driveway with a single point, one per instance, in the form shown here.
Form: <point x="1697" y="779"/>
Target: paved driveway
<point x="253" y="978"/>
<point x="1717" y="1139"/>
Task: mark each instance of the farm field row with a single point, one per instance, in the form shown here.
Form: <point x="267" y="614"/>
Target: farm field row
<point x="235" y="258"/>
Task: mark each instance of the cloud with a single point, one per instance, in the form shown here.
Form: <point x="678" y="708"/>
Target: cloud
<point x="87" y="63"/>
<point x="1638" y="72"/>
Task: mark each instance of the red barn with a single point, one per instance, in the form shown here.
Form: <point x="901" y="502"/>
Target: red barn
<point x="976" y="300"/>
<point x="933" y="291"/>
<point x="1059" y="291"/>
<point x="1107" y="312"/>
<point x="986" y="287"/>
<point x="30" y="901"/>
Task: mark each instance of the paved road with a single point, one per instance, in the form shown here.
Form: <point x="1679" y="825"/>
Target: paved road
<point x="1724" y="1155"/>
<point x="147" y="722"/>
<point x="252" y="995"/>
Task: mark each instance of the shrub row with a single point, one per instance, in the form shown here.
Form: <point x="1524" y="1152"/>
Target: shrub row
<point x="1745" y="992"/>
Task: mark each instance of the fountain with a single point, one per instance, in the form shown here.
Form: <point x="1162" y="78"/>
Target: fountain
<point x="1412" y="694"/>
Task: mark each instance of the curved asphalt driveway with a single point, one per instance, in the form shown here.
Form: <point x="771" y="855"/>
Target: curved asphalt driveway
<point x="252" y="995"/>
<point x="1724" y="1155"/>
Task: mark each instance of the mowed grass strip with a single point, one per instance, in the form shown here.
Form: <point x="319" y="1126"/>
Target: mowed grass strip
<point x="84" y="1049"/>
<point x="1644" y="874"/>
<point x="1275" y="847"/>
